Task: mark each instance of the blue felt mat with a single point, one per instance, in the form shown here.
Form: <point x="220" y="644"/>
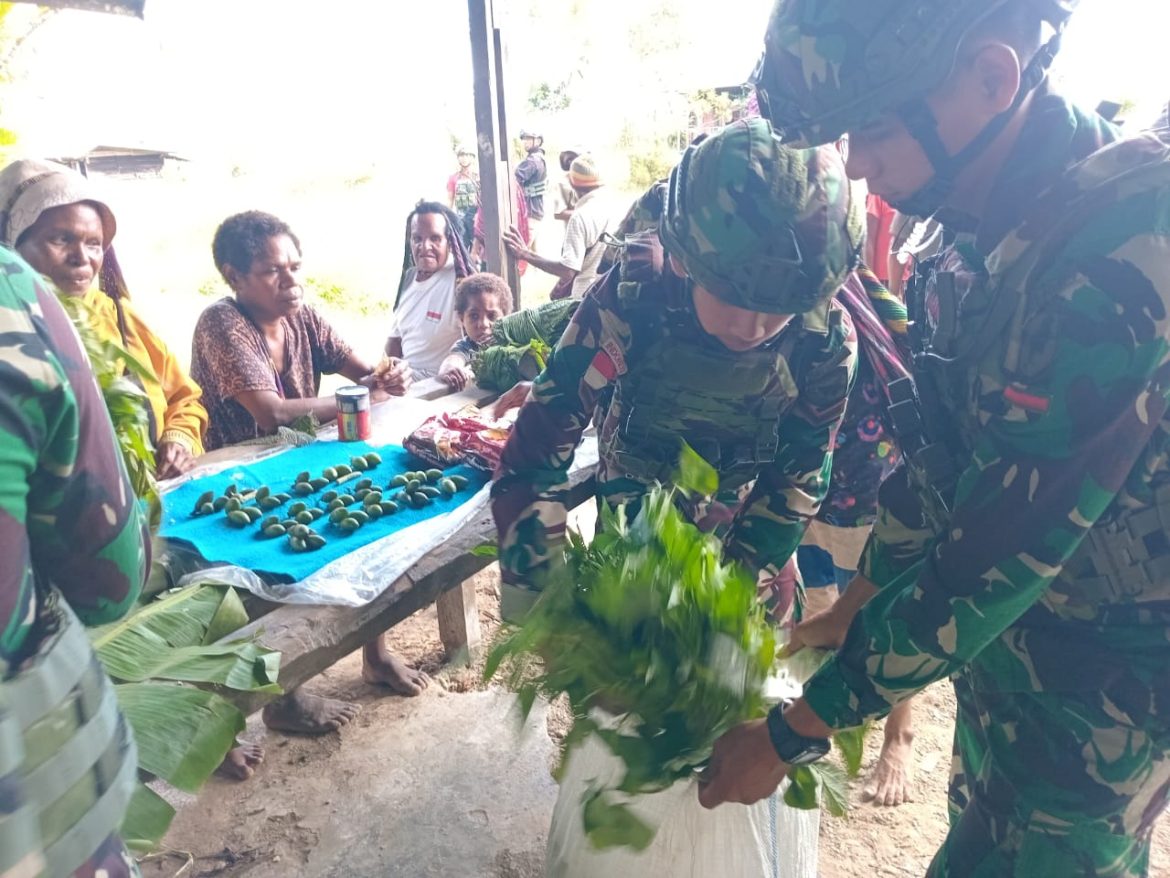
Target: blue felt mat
<point x="220" y="543"/>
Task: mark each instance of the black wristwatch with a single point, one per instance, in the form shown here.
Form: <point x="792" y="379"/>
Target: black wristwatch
<point x="790" y="747"/>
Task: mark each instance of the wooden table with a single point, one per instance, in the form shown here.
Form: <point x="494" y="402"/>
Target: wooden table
<point x="312" y="638"/>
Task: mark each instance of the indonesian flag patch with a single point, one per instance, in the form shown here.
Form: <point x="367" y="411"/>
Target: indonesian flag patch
<point x="608" y="363"/>
<point x="1029" y="402"/>
<point x="434" y="316"/>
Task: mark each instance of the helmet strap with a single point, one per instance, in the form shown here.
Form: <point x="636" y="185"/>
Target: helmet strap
<point x="920" y="121"/>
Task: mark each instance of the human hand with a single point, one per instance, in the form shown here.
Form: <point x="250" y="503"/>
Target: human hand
<point x="393" y="376"/>
<point x="823" y="630"/>
<point x="515" y="243"/>
<point x="457" y="378"/>
<point x="172" y="459"/>
<point x="744" y="767"/>
<point x="510" y="399"/>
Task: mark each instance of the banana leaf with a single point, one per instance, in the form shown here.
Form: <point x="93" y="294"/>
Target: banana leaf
<point x="174" y="639"/>
<point x="183" y="733"/>
<point x="147" y="819"/>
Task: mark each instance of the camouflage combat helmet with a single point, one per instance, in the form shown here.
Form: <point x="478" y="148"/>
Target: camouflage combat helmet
<point x="760" y="225"/>
<point x="830" y="66"/>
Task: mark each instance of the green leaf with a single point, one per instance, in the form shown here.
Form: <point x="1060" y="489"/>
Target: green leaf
<point x="695" y="475"/>
<point x="851" y="743"/>
<point x="610" y="825"/>
<point x="834" y="787"/>
<point x="486" y="550"/>
<point x="183" y="733"/>
<point x="163" y="640"/>
<point x="147" y="820"/>
<point x="228" y="619"/>
<point x="802" y="789"/>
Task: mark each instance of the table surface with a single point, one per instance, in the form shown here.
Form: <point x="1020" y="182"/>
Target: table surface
<point x="311" y="638"/>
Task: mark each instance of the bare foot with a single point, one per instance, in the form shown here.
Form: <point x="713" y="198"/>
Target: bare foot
<point x="308" y="714"/>
<point x="382" y="668"/>
<point x="890" y="782"/>
<point x="241" y="761"/>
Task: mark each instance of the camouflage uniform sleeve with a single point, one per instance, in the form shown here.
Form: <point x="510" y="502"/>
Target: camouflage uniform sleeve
<point x="67" y="509"/>
<point x="788" y="493"/>
<point x="1048" y="461"/>
<point x="527" y="496"/>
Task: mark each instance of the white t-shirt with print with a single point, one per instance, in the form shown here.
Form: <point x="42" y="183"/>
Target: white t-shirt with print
<point x="426" y="322"/>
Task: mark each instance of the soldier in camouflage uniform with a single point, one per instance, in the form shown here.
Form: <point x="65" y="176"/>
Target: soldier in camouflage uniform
<point x="1024" y="546"/>
<point x="75" y="550"/>
<point x="753" y="233"/>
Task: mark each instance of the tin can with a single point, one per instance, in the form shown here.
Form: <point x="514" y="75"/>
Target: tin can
<point x="353" y="413"/>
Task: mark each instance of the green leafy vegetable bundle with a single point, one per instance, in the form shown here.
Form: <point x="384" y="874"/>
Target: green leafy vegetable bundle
<point x="649" y="620"/>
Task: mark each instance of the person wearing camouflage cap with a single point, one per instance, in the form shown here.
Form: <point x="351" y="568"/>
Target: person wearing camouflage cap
<point x="1022" y="548"/>
<point x="717" y="328"/>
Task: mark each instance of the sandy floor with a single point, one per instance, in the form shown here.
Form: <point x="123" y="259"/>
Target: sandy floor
<point x="294" y="811"/>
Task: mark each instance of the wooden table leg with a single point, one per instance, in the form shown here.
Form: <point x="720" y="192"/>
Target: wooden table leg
<point x="459" y="621"/>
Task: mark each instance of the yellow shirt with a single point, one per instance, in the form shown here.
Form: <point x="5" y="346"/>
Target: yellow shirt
<point x="179" y="416"/>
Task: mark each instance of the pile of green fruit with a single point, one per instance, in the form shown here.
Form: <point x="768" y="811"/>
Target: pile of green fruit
<point x="347" y="507"/>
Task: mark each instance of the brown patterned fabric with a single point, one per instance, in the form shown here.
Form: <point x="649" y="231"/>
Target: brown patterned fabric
<point x="229" y="357"/>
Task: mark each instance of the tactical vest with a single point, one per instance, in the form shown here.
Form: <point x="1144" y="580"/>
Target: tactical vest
<point x="963" y="371"/>
<point x="535" y="188"/>
<point x="67" y="758"/>
<point x="685" y="386"/>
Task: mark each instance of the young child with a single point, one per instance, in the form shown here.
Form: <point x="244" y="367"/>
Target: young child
<point x="480" y="300"/>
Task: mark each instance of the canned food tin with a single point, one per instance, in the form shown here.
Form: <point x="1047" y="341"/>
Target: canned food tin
<point x="353" y="413"/>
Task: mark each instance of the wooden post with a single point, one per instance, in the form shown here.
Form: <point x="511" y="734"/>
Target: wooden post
<point x="458" y="614"/>
<point x="495" y="170"/>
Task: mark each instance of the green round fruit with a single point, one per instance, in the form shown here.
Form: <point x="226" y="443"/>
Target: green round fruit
<point x="296" y="508"/>
<point x="300" y="530"/>
<point x="374" y="511"/>
<point x="262" y="492"/>
<point x="302" y="489"/>
<point x="447" y="487"/>
<point x="413" y="485"/>
<point x="364" y="484"/>
<point x="283" y="497"/>
<point x="219" y="503"/>
<point x="253" y="513"/>
<point x="204" y="498"/>
<point x="270" y="520"/>
<point x="233" y="504"/>
<point x="316" y="513"/>
<point x="361" y="493"/>
<point x="206" y="509"/>
<point x="305" y="517"/>
<point x="373" y="458"/>
<point x="460" y="482"/>
<point x="329" y="473"/>
<point x="269" y="502"/>
<point x="429" y="491"/>
<point x="289" y="523"/>
<point x="339" y="513"/>
<point x="433" y="475"/>
<point x="275" y="530"/>
<point x="297" y="544"/>
<point x="343" y="469"/>
<point x="230" y="489"/>
<point x="388" y="507"/>
<point x="419" y="500"/>
<point x="349" y="525"/>
<point x="329" y="496"/>
<point x="318" y="484"/>
<point x="398" y="481"/>
<point x="304" y="477"/>
<point x="359" y="463"/>
<point x="314" y="542"/>
<point x="359" y="516"/>
<point x="238" y="518"/>
<point x="347" y="499"/>
<point x="372" y="499"/>
<point x="337" y="503"/>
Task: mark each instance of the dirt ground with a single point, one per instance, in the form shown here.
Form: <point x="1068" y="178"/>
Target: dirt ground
<point x="257" y="830"/>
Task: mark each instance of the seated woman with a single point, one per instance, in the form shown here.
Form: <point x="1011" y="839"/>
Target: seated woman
<point x="425" y="324"/>
<point x="480" y="300"/>
<point x="260" y="356"/>
<point x="52" y="219"/>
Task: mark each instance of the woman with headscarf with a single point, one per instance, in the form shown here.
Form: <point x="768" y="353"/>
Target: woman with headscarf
<point x="48" y="213"/>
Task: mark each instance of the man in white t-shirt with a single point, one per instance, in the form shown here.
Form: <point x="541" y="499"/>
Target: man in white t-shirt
<point x="583" y="246"/>
<point x="425" y="324"/>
